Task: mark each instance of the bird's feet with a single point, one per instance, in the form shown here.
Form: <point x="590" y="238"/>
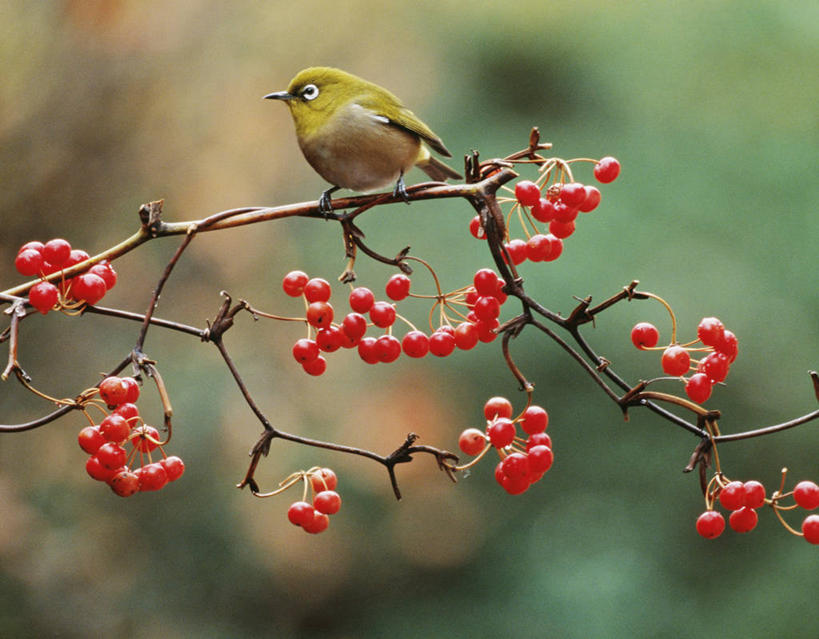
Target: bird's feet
<point x="326" y="202"/>
<point x="400" y="189"/>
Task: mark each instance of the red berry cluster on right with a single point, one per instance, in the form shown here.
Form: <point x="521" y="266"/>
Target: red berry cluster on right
<point x="523" y="461"/>
<point x="38" y="259"/>
<point x="744" y="498"/>
<point x="315" y="517"/>
<point x="105" y="442"/>
<point x="720" y="344"/>
<point x="557" y="205"/>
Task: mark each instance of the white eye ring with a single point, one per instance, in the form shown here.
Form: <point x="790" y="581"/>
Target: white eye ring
<point x="309" y="92"/>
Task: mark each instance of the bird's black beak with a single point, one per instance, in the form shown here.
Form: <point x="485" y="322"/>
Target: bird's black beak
<point x="279" y="95"/>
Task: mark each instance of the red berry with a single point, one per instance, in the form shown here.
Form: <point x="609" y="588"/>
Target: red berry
<point x="398" y="287"/>
<point x="564" y="214"/>
<point x="560" y="229"/>
<point x="56" y="252"/>
<point x="145" y="438"/>
<point x="515" y="466"/>
<point x="388" y="348"/>
<point x="592" y="199"/>
<point x="538" y="439"/>
<point x="501" y="432"/>
<point x="441" y="343"/>
<point x="415" y="344"/>
<point x="538" y="248"/>
<point x="732" y="495"/>
<point x="112" y="391"/>
<point x="115" y="428"/>
<point x="43" y="296"/>
<point x="534" y="420"/>
<point x="174" y="467"/>
<point x="710" y="524"/>
<point x="806" y="494"/>
<point x="555" y="248"/>
<point x="540" y="458"/>
<point x="132" y="388"/>
<point x="327" y="502"/>
<point x="128" y="410"/>
<point x="710" y="331"/>
<point x="361" y="299"/>
<point x="728" y="345"/>
<point x="77" y="256"/>
<point x="111" y="455"/>
<point x="645" y="335"/>
<point x="743" y="520"/>
<point x="323" y="479"/>
<point x="485" y="282"/>
<point x="318" y="524"/>
<point x="367" y="350"/>
<point x="319" y="314"/>
<point x="293" y="283"/>
<point x="517" y="251"/>
<point x="543" y="210"/>
<point x="511" y="486"/>
<point x="88" y="288"/>
<point x="698" y="388"/>
<point x="90" y="439"/>
<point x="715" y="366"/>
<point x="675" y="361"/>
<point x="315" y="367"/>
<point x="497" y="407"/>
<point x="125" y="483"/>
<point x="810" y="528"/>
<point x="476" y="229"/>
<point x="300" y="513"/>
<point x="329" y="339"/>
<point x="527" y="192"/>
<point x="354" y="325"/>
<point x="754" y="494"/>
<point x="106" y="272"/>
<point x="96" y="470"/>
<point x="486" y="330"/>
<point x="607" y="170"/>
<point x="317" y="290"/>
<point x="152" y="477"/>
<point x="34" y="245"/>
<point x="487" y="308"/>
<point x="305" y="350"/>
<point x="28" y="262"/>
<point x="573" y="194"/>
<point x="466" y="336"/>
<point x="472" y="441"/>
<point x="382" y="314"/>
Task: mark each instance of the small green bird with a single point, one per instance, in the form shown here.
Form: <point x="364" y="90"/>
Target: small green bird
<point x="357" y="135"/>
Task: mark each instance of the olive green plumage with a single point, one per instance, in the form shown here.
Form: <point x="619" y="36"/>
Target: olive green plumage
<point x="356" y="134"/>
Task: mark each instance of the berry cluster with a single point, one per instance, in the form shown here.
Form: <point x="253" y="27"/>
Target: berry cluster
<point x="523" y="461"/>
<point x="719" y="344"/>
<point x="314" y="517"/>
<point x="38" y="259"/>
<point x="482" y="301"/>
<point x="743" y="498"/>
<point x="106" y="442"/>
<point x="556" y="203"/>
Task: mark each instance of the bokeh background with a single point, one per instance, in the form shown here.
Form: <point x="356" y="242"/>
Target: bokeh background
<point x="711" y="108"/>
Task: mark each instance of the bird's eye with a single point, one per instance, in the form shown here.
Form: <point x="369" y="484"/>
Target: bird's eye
<point x="310" y="92"/>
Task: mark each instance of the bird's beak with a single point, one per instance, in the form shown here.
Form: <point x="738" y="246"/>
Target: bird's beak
<point x="279" y="95"/>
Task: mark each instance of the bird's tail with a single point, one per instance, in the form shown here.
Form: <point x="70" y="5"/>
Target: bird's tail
<point x="436" y="169"/>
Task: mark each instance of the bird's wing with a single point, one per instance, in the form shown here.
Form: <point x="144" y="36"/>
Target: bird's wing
<point x="398" y="115"/>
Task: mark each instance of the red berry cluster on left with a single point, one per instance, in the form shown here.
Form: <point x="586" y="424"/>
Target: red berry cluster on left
<point x="523" y="461"/>
<point x="38" y="259"/>
<point x="106" y="442"/>
<point x="718" y="343"/>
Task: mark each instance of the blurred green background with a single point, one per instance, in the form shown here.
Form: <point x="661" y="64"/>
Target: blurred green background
<point x="712" y="109"/>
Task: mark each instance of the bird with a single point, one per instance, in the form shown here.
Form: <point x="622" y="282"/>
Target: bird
<point x="357" y="135"/>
